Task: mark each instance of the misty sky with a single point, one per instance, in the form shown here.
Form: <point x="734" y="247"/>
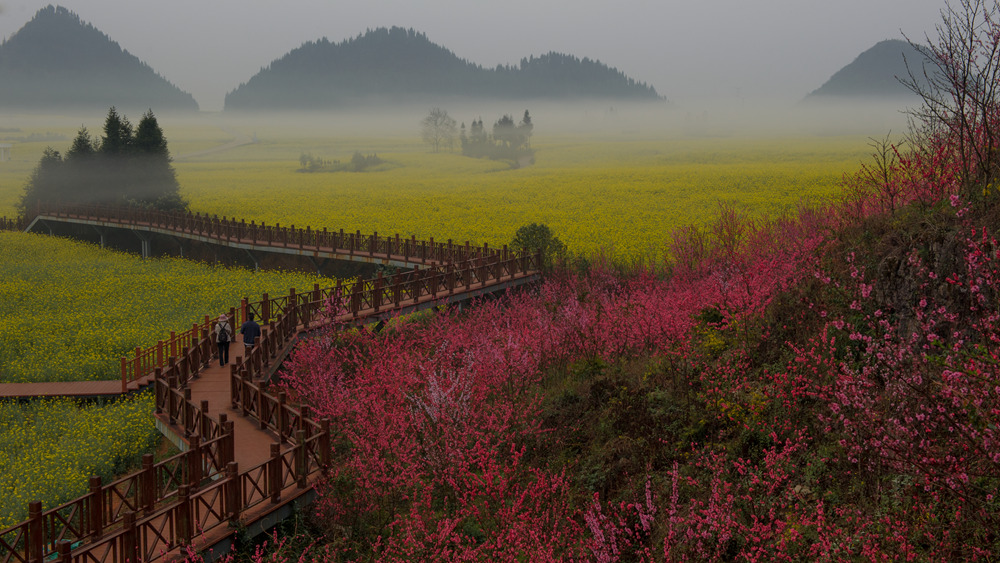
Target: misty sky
<point x="689" y="50"/>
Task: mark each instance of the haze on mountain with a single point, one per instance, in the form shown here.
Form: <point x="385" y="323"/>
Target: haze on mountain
<point x="57" y="61"/>
<point x="388" y="65"/>
<point x="875" y="73"/>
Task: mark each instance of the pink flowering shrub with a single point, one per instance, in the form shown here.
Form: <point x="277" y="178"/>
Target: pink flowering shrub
<point x="821" y="386"/>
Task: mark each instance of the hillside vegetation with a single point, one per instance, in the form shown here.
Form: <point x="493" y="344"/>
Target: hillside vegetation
<point x="58" y="61"/>
<point x="395" y="64"/>
<point x="822" y="385"/>
<point x="876" y="72"/>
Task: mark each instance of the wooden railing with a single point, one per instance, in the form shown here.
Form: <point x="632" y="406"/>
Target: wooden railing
<point x="375" y="295"/>
<point x="423" y="252"/>
<point x="106" y="511"/>
<point x="165" y="505"/>
<point x="162" y="507"/>
<point x="8" y="224"/>
<point x="452" y="268"/>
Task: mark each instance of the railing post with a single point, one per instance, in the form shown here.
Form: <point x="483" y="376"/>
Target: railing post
<point x="205" y="421"/>
<point x="230" y="440"/>
<point x="186" y="412"/>
<point x="244" y="392"/>
<point x="274" y="474"/>
<point x="158" y="390"/>
<point x="96" y="506"/>
<point x="206" y="353"/>
<point x="265" y="309"/>
<point x="301" y="466"/>
<point x="171" y="396"/>
<point x="36" y="532"/>
<point x="235" y="389"/>
<point x="234" y="498"/>
<point x="183" y="515"/>
<point x="130" y="539"/>
<point x="280" y="416"/>
<point x="136" y="368"/>
<point x="260" y="409"/>
<point x="64" y="550"/>
<point x="194" y="463"/>
<point x="147" y="484"/>
<point x="305" y="414"/>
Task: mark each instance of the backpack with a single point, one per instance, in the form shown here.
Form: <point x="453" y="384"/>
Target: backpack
<point x="224" y="332"/>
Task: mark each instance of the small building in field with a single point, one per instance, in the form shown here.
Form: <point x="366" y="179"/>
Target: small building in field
<point x="5" y="151"/>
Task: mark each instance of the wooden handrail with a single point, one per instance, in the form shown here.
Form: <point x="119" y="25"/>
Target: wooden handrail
<point x="426" y="252"/>
<point x="149" y="512"/>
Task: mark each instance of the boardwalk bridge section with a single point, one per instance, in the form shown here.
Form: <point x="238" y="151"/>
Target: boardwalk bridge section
<point x="248" y="457"/>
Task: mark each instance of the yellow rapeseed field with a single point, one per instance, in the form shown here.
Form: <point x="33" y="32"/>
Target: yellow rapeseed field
<point x="620" y="197"/>
<point x="618" y="193"/>
<point x="50" y="448"/>
<point x="69" y="311"/>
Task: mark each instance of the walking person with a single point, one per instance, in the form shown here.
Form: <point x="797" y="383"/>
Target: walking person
<point x="250" y="331"/>
<point x="223" y="335"/>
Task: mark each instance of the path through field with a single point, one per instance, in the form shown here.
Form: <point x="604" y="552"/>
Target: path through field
<point x="239" y="139"/>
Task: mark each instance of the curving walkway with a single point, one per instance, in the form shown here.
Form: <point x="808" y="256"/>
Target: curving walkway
<point x="249" y="457"/>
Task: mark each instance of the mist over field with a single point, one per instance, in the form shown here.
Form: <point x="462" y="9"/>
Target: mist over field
<point x="705" y="118"/>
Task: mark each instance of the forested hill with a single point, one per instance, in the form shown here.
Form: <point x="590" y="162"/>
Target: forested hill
<point x="403" y="65"/>
<point x="874" y="73"/>
<point x="58" y="61"/>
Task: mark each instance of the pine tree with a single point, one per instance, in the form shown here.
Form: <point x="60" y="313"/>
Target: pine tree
<point x="155" y="181"/>
<point x="128" y="166"/>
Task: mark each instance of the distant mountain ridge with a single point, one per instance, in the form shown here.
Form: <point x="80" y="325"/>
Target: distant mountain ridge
<point x="397" y="64"/>
<point x="58" y="61"/>
<point x="875" y="73"/>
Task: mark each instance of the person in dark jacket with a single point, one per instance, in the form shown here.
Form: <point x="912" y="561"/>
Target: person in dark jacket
<point x="223" y="336"/>
<point x="250" y="331"/>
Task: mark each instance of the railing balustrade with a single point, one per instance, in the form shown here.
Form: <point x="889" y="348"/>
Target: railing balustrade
<point x="161" y="507"/>
<point x="230" y="229"/>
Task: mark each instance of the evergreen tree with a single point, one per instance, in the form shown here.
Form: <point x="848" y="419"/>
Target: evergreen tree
<point x="155" y="183"/>
<point x="84" y="161"/>
<point x="83" y="147"/>
<point x="525" y="128"/>
<point x="117" y="134"/>
<point x="46" y="182"/>
<point x="128" y="166"/>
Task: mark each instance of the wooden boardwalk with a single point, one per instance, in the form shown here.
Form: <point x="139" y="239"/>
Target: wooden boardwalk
<point x="248" y="457"/>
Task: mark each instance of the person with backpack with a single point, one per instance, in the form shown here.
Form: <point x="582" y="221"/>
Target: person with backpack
<point x="223" y="335"/>
<point x="250" y="331"/>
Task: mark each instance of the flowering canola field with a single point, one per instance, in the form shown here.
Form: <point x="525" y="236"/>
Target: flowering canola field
<point x="50" y="448"/>
<point x="621" y="197"/>
<point x="70" y="311"/>
<point x="618" y="194"/>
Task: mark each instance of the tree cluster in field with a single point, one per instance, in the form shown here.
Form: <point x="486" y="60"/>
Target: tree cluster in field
<point x="394" y="64"/>
<point x="507" y="140"/>
<point x="127" y="165"/>
<point x="359" y="163"/>
<point x="56" y="60"/>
